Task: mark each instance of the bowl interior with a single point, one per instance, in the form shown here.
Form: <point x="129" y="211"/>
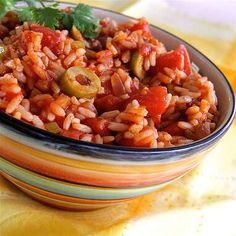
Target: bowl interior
<point x="207" y="68"/>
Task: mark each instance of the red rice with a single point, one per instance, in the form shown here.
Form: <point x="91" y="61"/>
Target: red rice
<point x="31" y="75"/>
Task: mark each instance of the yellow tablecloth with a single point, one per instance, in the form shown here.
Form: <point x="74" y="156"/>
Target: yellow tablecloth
<point x="201" y="203"/>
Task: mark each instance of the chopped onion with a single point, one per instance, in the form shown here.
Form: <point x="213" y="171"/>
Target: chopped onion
<point x="194" y="67"/>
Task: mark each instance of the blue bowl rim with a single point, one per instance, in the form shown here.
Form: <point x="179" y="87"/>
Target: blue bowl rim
<point x="75" y="146"/>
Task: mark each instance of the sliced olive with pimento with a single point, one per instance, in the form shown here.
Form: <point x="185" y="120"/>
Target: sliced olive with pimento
<point x="136" y="65"/>
<point x="80" y="82"/>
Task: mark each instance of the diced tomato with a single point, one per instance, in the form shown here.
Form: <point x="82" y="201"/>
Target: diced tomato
<point x="145" y="49"/>
<point x="9" y="95"/>
<point x="131" y="143"/>
<point x="51" y="38"/>
<point x="126" y="142"/>
<point x="177" y="59"/>
<point x="157" y="118"/>
<point x="72" y="133"/>
<point x="107" y="87"/>
<point x="174" y="130"/>
<point x="108" y="103"/>
<point x="98" y="125"/>
<point x="60" y="120"/>
<point x="42" y="103"/>
<point x="172" y="60"/>
<point x="187" y="64"/>
<point x="154" y="99"/>
<point x="141" y="25"/>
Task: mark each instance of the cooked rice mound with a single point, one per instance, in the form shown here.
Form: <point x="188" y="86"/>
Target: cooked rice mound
<point x="166" y="108"/>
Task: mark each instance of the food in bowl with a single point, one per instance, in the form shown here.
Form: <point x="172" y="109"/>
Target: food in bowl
<point x="99" y="81"/>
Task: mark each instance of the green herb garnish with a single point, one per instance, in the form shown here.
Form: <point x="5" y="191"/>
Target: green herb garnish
<point x="50" y="16"/>
<point x="47" y="16"/>
<point x="6" y="6"/>
<point x="85" y="21"/>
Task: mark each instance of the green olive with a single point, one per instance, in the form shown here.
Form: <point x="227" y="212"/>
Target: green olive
<point x="75" y="33"/>
<point x="79" y="40"/>
<point x="80" y="82"/>
<point x="53" y="127"/>
<point x="3" y="51"/>
<point x="136" y="65"/>
<point x="78" y="44"/>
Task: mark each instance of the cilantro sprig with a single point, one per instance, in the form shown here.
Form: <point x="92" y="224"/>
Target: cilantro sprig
<point x="85" y="21"/>
<point x="50" y="16"/>
<point x="6" y="6"/>
<point x="47" y="16"/>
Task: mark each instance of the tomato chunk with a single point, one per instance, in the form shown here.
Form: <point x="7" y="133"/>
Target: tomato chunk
<point x="145" y="49"/>
<point x="107" y="87"/>
<point x="177" y="59"/>
<point x="174" y="130"/>
<point x="154" y="99"/>
<point x="187" y="64"/>
<point x="72" y="133"/>
<point x="131" y="142"/>
<point x="44" y="103"/>
<point x="98" y="125"/>
<point x="60" y="121"/>
<point x="143" y="25"/>
<point x="108" y="103"/>
<point x="10" y="95"/>
<point x="51" y="38"/>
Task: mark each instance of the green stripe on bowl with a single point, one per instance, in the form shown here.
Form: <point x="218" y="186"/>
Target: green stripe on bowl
<point x="61" y="202"/>
<point x="70" y="189"/>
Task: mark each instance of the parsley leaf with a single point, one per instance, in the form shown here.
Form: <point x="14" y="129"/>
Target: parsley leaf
<point x="47" y="16"/>
<point x="85" y="21"/>
<point x="67" y="20"/>
<point x="26" y="14"/>
<point x="6" y="5"/>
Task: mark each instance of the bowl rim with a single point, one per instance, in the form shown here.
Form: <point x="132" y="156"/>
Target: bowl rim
<point x="37" y="133"/>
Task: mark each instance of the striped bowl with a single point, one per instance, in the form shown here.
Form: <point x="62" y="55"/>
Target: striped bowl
<point x="75" y="175"/>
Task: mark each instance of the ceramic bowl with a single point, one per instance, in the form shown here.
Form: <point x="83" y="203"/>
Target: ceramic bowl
<point x="76" y="174"/>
